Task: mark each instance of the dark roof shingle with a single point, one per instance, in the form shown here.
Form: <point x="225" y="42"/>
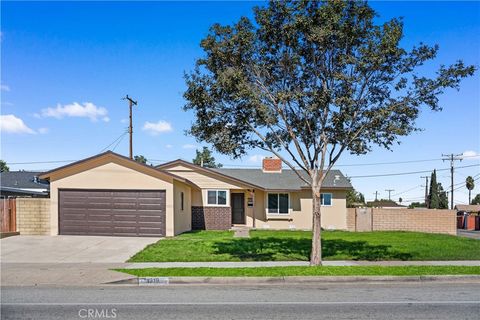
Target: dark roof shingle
<point x="22" y="180"/>
<point x="285" y="180"/>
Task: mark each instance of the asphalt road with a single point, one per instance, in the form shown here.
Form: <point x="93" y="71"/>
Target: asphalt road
<point x="330" y="301"/>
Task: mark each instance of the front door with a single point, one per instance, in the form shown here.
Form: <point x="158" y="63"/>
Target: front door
<point x="238" y="208"/>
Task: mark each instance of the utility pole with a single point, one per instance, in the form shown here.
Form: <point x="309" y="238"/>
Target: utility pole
<point x="426" y="189"/>
<point x="452" y="158"/>
<point x="389" y="192"/>
<point x="131" y="103"/>
<point x="376" y="193"/>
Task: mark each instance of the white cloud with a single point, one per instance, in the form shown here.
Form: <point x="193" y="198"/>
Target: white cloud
<point x="189" y="146"/>
<point x="155" y="128"/>
<point x="42" y="130"/>
<point x="85" y="110"/>
<point x="11" y="124"/>
<point x="124" y="120"/>
<point x="7" y="104"/>
<point x="470" y="154"/>
<point x="4" y="87"/>
<point x="168" y="146"/>
<point x="256" y="158"/>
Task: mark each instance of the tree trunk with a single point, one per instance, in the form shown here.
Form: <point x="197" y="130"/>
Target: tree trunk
<point x="469" y="196"/>
<point x="316" y="255"/>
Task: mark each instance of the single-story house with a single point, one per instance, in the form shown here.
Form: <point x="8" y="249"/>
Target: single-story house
<point x="109" y="194"/>
<point x="467" y="208"/>
<point x="22" y="184"/>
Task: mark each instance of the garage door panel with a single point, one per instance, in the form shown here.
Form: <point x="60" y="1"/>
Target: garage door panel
<point x="112" y="212"/>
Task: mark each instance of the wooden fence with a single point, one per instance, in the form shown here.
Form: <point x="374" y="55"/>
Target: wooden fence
<point x="8" y="215"/>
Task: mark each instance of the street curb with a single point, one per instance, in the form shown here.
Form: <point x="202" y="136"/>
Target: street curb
<point x="162" y="281"/>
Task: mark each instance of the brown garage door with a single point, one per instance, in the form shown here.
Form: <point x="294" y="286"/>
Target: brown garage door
<point x="112" y="212"/>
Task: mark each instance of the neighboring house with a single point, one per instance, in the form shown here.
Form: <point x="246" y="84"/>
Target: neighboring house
<point x="22" y="184"/>
<point x="467" y="208"/>
<point x="110" y="194"/>
<point x="385" y="204"/>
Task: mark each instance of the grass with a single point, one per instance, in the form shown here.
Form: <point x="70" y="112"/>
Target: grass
<point x="269" y="245"/>
<point x="304" y="271"/>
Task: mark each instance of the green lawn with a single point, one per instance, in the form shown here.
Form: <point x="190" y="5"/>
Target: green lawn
<point x="303" y="271"/>
<point x="269" y="245"/>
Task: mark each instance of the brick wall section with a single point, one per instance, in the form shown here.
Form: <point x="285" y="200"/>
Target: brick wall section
<point x="33" y="216"/>
<point x="272" y="164"/>
<point x="211" y="218"/>
<point x="424" y="220"/>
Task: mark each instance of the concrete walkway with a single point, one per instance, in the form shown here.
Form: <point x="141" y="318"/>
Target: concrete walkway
<point x="255" y="264"/>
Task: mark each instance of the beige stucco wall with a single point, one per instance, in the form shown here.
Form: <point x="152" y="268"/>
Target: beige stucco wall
<point x="33" y="216"/>
<point x="112" y="176"/>
<point x="203" y="180"/>
<point x="183" y="218"/>
<point x="300" y="211"/>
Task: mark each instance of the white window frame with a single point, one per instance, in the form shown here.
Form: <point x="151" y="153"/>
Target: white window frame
<point x="278" y="204"/>
<point x="216" y="204"/>
<point x="322" y="199"/>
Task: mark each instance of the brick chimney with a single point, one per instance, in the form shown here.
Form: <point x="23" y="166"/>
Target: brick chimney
<point x="270" y="164"/>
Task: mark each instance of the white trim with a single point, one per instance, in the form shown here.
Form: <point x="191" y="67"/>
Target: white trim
<point x="227" y="196"/>
<point x="331" y="200"/>
<point x="278" y="201"/>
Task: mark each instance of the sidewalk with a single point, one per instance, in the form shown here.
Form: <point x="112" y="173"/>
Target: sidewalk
<point x="254" y="264"/>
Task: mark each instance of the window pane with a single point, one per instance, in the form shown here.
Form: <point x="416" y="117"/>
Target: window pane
<point x="326" y="199"/>
<point x="283" y="199"/>
<point x="181" y="200"/>
<point x="273" y="203"/>
<point x="212" y="197"/>
<point x="222" y="197"/>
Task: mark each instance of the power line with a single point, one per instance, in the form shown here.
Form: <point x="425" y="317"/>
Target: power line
<point x="119" y="137"/>
<point x="408" y="173"/>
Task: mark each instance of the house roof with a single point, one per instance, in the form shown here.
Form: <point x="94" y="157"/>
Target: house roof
<point x="22" y="180"/>
<point x="104" y="158"/>
<point x="468" y="208"/>
<point x="207" y="170"/>
<point x="285" y="180"/>
<point x="384" y="204"/>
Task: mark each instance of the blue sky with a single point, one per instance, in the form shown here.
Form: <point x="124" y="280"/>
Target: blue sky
<point x="66" y="66"/>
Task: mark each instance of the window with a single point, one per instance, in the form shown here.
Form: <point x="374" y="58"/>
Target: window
<point x="181" y="200"/>
<point x="326" y="199"/>
<point x="218" y="197"/>
<point x="278" y="203"/>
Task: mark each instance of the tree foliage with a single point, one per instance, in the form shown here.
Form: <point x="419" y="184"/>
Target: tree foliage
<point x="354" y="198"/>
<point x="433" y="196"/>
<point x="206" y="159"/>
<point x="414" y="205"/>
<point x="470" y="184"/>
<point x="3" y="166"/>
<point x="308" y="81"/>
<point x="476" y="200"/>
<point x="140" y="158"/>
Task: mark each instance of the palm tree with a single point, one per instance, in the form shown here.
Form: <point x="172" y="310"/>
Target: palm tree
<point x="469" y="183"/>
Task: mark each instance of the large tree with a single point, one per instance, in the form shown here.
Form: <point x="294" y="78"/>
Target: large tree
<point x="308" y="81"/>
<point x="470" y="184"/>
<point x="205" y="158"/>
<point x="433" y="196"/>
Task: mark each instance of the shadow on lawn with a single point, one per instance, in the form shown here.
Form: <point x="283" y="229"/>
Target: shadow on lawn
<point x="268" y="249"/>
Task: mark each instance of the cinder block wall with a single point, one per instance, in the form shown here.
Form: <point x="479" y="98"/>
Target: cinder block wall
<point x="33" y="216"/>
<point x="421" y="220"/>
<point x="351" y="219"/>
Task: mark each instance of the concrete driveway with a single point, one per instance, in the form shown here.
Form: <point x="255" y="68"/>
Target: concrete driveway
<point x="71" y="249"/>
